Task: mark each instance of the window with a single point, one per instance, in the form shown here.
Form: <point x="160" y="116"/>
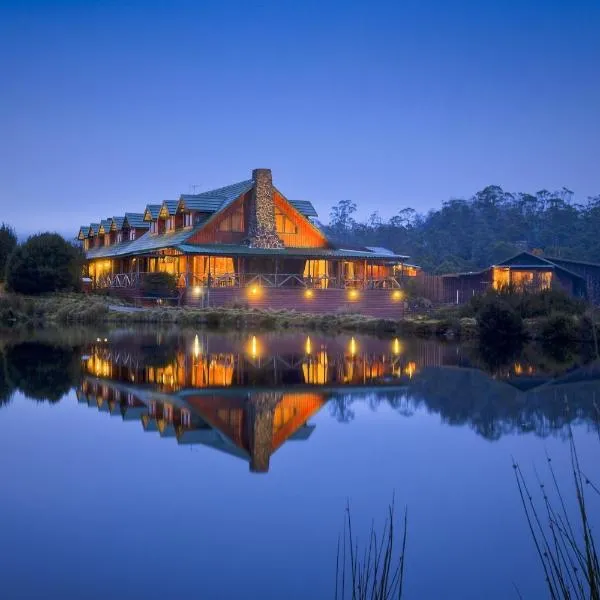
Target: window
<point x="106" y="237"/>
<point x="86" y="244"/>
<point x="119" y="237"/>
<point x="170" y="224"/>
<point x="154" y="227"/>
<point x="187" y="219"/>
<point x="283" y="224"/>
<point x="233" y="222"/>
<point x="186" y="418"/>
<point x="132" y="234"/>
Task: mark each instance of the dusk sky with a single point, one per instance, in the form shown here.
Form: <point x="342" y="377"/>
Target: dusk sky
<point x="108" y="106"/>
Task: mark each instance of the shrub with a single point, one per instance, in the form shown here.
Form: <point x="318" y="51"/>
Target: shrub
<point x="159" y="285"/>
<point x="497" y="320"/>
<point x="46" y="262"/>
<point x="8" y="242"/>
<point x="559" y="329"/>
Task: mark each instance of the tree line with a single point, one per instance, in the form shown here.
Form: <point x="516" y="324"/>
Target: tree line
<point x="469" y="234"/>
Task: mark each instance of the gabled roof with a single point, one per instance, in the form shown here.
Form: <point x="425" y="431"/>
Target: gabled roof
<point x="83" y="232"/>
<point x="574" y="262"/>
<point x="117" y="223"/>
<point x="104" y="226"/>
<point x="151" y="212"/>
<point x="94" y="227"/>
<point x="169" y="208"/>
<point x="304" y="207"/>
<point x="525" y="259"/>
<point x="136" y="221"/>
<point x="218" y="199"/>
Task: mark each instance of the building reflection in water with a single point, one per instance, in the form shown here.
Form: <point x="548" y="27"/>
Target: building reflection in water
<point x="246" y="397"/>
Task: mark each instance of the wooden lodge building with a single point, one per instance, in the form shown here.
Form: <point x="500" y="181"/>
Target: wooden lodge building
<point x="243" y="242"/>
<point x="525" y="272"/>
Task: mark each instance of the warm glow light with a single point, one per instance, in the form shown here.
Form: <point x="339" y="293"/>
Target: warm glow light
<point x="196" y="347"/>
<point x="353" y="347"/>
<point x="353" y="294"/>
<point x="308" y="346"/>
<point x="308" y="293"/>
<point x="197" y="290"/>
<point x="396" y="346"/>
<point x="410" y="369"/>
<point x="254" y="347"/>
<point x="397" y="295"/>
<point x="254" y="290"/>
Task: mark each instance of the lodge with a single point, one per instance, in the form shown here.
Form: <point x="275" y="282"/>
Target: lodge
<point x="244" y="241"/>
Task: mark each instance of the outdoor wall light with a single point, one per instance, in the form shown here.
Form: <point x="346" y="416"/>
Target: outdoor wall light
<point x="353" y="294"/>
<point x="308" y="293"/>
<point x="197" y="290"/>
<point x="397" y="295"/>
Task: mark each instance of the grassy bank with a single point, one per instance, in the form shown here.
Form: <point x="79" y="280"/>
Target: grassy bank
<point x="79" y="309"/>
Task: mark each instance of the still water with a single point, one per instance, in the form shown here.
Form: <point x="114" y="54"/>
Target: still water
<point x="139" y="464"/>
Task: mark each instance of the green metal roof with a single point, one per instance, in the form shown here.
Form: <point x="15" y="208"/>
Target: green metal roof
<point x="237" y="249"/>
<point x="215" y="200"/>
<point x="136" y="220"/>
<point x="118" y="222"/>
<point x="94" y="227"/>
<point x="152" y="210"/>
<point x="149" y="242"/>
<point x="83" y="232"/>
<point x="105" y="224"/>
<point x="171" y="206"/>
<point x="304" y="207"/>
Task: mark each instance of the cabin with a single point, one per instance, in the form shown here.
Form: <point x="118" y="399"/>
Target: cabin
<point x="523" y="272"/>
<point x="245" y="242"/>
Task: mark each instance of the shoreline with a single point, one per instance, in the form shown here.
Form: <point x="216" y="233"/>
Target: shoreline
<point x="78" y="309"/>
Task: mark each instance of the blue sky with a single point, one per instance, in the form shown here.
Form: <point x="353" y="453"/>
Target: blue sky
<point x="108" y="106"/>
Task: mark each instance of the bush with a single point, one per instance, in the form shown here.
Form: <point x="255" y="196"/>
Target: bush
<point x="46" y="262"/>
<point x="497" y="320"/>
<point x="559" y="329"/>
<point x="159" y="285"/>
<point x="8" y="242"/>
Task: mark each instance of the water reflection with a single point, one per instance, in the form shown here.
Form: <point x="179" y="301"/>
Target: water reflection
<point x="249" y="395"/>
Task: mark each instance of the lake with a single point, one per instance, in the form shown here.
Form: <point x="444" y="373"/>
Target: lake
<point x="165" y="464"/>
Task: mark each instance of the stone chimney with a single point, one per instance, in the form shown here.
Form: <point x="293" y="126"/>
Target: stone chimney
<point x="260" y="410"/>
<point x="261" y="213"/>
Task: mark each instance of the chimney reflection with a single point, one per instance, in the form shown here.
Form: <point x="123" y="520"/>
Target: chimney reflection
<point x="246" y="397"/>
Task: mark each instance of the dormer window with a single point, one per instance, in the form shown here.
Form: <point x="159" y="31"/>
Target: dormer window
<point x="119" y="237"/>
<point x="170" y="224"/>
<point x="86" y="244"/>
<point x="188" y="219"/>
<point x="107" y="239"/>
<point x="132" y="234"/>
<point x="154" y="227"/>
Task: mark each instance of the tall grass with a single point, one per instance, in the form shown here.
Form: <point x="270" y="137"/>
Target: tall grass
<point x="374" y="572"/>
<point x="564" y="541"/>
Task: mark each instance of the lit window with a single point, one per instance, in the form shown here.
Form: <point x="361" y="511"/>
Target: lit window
<point x="187" y="220"/>
<point x="132" y="234"/>
<point x="186" y="417"/>
<point x="119" y="237"/>
<point x="154" y="227"/>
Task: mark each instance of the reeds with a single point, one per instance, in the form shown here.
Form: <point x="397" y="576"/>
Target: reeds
<point x="374" y="572"/>
<point x="564" y="542"/>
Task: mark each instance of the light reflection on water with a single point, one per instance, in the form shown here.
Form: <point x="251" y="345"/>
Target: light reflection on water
<point x="179" y="493"/>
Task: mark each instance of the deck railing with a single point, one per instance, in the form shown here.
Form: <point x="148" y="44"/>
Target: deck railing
<point x="240" y="280"/>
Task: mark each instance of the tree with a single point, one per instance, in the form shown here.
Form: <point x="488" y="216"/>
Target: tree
<point x="8" y="242"/>
<point x="341" y="219"/>
<point x="43" y="372"/>
<point x="46" y="262"/>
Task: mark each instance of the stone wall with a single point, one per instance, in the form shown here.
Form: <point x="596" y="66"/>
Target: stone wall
<point x="261" y="213"/>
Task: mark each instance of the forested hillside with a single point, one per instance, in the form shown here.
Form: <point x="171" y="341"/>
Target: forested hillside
<point x="469" y="234"/>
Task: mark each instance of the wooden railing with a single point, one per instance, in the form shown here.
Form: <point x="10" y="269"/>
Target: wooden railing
<point x="238" y="280"/>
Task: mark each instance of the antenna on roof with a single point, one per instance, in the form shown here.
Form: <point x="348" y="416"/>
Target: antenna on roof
<point x="194" y="187"/>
